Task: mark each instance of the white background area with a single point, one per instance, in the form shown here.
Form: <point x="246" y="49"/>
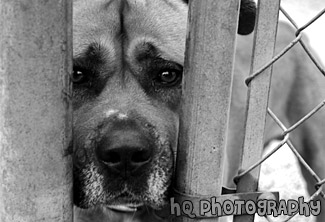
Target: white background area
<point x="304" y="10"/>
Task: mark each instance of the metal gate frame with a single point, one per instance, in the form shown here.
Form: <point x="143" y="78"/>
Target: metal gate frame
<point x="35" y="111"/>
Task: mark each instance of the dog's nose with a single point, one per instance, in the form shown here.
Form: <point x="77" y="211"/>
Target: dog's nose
<point x="124" y="151"/>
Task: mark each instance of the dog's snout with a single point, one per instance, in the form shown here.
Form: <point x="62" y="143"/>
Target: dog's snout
<point x="124" y="151"/>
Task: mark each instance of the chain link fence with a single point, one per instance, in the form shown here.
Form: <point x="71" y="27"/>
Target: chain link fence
<point x="287" y="130"/>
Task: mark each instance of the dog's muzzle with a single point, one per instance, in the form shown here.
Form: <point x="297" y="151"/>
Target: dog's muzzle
<point x="127" y="165"/>
<point x="124" y="152"/>
<point x="125" y="148"/>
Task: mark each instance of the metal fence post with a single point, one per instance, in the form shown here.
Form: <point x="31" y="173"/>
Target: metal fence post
<point x="207" y="88"/>
<point x="35" y="119"/>
<point x="258" y="95"/>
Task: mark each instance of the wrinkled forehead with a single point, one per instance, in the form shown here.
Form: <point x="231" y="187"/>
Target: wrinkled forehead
<point x="121" y="25"/>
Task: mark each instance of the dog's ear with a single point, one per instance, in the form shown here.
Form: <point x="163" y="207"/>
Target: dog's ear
<point x="247" y="16"/>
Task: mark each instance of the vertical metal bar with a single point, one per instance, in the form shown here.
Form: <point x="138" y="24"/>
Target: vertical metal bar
<point x="258" y="94"/>
<point x="207" y="88"/>
<point x="35" y="120"/>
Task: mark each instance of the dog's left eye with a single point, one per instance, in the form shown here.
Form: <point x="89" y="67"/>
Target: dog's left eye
<point x="78" y="76"/>
<point x="169" y="77"/>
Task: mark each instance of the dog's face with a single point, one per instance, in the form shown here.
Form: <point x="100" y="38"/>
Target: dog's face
<point x="128" y="67"/>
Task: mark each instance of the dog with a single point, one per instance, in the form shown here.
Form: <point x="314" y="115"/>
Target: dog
<point x="127" y="84"/>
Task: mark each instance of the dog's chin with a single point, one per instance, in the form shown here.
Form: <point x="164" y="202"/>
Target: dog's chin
<point x="131" y="207"/>
<point x="139" y="209"/>
<point x="126" y="203"/>
<point x="127" y="208"/>
<point x="119" y="212"/>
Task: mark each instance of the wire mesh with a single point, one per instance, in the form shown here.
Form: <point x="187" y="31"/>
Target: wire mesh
<point x="286" y="131"/>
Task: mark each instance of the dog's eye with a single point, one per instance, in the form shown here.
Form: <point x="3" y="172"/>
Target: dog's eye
<point x="79" y="75"/>
<point x="169" y="77"/>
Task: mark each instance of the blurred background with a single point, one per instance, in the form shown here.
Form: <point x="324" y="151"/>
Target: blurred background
<point x="304" y="10"/>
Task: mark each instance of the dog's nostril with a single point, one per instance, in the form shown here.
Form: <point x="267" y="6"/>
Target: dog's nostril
<point x="141" y="156"/>
<point x="124" y="158"/>
<point x="112" y="157"/>
<point x="126" y="152"/>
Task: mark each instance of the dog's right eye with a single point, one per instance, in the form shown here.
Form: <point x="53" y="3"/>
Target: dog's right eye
<point x="169" y="77"/>
<point x="169" y="74"/>
<point x="79" y="75"/>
